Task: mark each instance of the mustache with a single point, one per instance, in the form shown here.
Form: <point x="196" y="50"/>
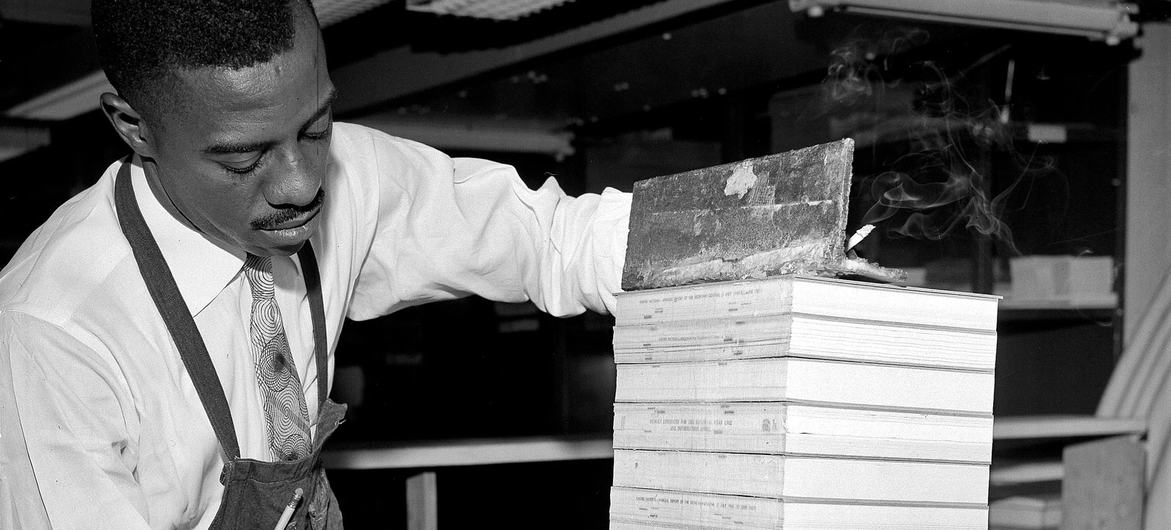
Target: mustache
<point x="284" y="215"/>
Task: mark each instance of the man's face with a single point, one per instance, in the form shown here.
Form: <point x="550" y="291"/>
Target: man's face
<point x="242" y="154"/>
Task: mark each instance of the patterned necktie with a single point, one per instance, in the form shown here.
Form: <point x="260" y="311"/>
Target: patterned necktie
<point x="284" y="400"/>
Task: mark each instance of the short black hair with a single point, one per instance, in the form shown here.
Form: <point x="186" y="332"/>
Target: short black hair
<point x="140" y="41"/>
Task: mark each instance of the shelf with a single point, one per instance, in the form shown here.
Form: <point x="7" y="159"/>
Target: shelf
<point x="1026" y="472"/>
<point x="1012" y="311"/>
<point x="1063" y="426"/>
<point x="468" y="452"/>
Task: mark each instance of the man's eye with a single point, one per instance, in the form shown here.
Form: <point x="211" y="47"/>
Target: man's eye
<point x="242" y="168"/>
<point x="318" y="135"/>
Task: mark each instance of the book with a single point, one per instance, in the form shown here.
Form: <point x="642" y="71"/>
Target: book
<point x="825" y="297"/>
<point x="641" y="508"/>
<point x="808" y="380"/>
<point x="800" y="335"/>
<point x="790" y="476"/>
<point x="799" y="429"/>
<point x="1038" y="511"/>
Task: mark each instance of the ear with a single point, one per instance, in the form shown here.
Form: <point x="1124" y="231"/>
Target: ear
<point x="128" y="123"/>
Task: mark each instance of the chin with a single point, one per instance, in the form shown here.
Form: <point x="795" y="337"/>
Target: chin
<point x="268" y="248"/>
<point x="288" y="250"/>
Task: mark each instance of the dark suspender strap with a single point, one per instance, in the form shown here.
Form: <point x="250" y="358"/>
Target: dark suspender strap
<point x="317" y="314"/>
<point x="170" y="304"/>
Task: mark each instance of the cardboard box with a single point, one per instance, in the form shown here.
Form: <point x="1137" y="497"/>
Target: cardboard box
<point x="1075" y="280"/>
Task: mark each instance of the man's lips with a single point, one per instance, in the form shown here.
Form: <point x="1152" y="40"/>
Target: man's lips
<point x="296" y="221"/>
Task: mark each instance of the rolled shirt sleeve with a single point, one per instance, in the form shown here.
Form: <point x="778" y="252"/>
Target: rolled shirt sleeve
<point x="448" y="228"/>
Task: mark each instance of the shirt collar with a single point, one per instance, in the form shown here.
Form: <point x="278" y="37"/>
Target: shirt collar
<point x="201" y="267"/>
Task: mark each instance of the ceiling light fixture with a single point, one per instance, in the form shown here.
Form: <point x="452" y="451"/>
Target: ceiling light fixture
<point x="330" y="12"/>
<point x="474" y="133"/>
<point x="1105" y="20"/>
<point x="489" y="9"/>
<point x="16" y="139"/>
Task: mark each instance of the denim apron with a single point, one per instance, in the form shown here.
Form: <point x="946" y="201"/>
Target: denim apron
<point x="255" y="492"/>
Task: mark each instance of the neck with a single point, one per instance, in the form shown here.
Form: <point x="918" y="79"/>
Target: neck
<point x="160" y="192"/>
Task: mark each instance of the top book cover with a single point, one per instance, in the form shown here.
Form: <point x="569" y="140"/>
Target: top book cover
<point x="778" y="214"/>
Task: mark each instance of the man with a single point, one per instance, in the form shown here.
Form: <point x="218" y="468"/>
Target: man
<point x="166" y="337"/>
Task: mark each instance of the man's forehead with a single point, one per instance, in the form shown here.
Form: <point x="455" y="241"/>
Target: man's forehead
<point x="295" y="74"/>
<point x="219" y="106"/>
<point x="232" y="88"/>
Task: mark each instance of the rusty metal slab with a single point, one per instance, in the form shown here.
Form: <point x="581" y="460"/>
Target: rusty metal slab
<point x="778" y="214"/>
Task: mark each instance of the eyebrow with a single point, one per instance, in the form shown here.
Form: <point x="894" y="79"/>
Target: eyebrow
<point x="322" y="110"/>
<point x="230" y="148"/>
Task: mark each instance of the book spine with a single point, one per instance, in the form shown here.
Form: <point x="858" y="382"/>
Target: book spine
<point x="722" y="352"/>
<point x="703" y="333"/>
<point x="712" y="300"/>
<point x="729" y="427"/>
<point x="694" y="510"/>
<point x="783" y="476"/>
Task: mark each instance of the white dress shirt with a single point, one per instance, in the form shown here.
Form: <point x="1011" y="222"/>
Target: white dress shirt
<point x="100" y="426"/>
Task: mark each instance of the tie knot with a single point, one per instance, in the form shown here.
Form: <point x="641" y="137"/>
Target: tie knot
<point x="258" y="263"/>
<point x="258" y="270"/>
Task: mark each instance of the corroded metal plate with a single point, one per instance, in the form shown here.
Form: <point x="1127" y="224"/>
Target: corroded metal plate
<point x="777" y="214"/>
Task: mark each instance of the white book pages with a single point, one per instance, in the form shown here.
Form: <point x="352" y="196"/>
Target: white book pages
<point x="787" y="428"/>
<point x="800" y="335"/>
<point x="809" y="295"/>
<point x="808" y="380"/>
<point x="619" y="524"/>
<point x="783" y="476"/>
<point x="678" y="509"/>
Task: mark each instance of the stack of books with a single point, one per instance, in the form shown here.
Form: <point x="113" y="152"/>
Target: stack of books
<point x="802" y="402"/>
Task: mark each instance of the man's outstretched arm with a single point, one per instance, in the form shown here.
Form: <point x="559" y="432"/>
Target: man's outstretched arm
<point x="447" y="228"/>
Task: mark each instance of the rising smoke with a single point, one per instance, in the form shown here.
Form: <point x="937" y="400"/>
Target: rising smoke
<point x="942" y="182"/>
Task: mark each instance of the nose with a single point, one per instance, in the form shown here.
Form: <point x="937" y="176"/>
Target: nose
<point x="296" y="178"/>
